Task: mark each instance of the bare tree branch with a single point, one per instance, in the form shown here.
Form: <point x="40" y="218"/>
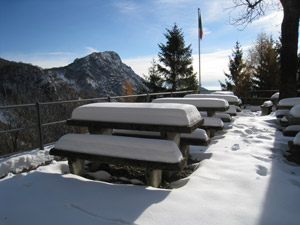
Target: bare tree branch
<point x="249" y="10"/>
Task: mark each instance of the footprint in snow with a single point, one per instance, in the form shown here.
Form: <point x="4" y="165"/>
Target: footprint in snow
<point x="235" y="147"/>
<point x="261" y="170"/>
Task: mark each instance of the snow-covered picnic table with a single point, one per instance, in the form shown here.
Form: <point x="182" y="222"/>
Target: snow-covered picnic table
<point x="232" y="99"/>
<point x="101" y="118"/>
<point x="209" y="105"/>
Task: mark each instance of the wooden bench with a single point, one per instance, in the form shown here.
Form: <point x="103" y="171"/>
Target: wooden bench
<point x="151" y="154"/>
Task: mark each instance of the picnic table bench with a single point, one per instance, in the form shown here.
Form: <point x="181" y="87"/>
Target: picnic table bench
<point x="232" y="99"/>
<point x="209" y="105"/>
<point x="170" y="120"/>
<point x="293" y="121"/>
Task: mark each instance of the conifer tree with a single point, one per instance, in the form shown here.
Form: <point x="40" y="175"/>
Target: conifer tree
<point x="176" y="60"/>
<point x="264" y="64"/>
<point x="154" y="81"/>
<point x="238" y="80"/>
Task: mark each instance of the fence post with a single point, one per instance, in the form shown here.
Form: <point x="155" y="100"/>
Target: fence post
<point x="108" y="98"/>
<point x="171" y="93"/>
<point x="39" y="122"/>
<point x="148" y="97"/>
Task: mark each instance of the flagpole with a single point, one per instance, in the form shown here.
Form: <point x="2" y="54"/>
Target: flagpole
<point x="199" y="37"/>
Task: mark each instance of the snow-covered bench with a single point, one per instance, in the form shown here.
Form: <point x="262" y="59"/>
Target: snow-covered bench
<point x="209" y="105"/>
<point x="212" y="125"/>
<point x="288" y="103"/>
<point x="294" y="149"/>
<point x="152" y="154"/>
<point x="293" y="121"/>
<point x="232" y="99"/>
<point x="198" y="137"/>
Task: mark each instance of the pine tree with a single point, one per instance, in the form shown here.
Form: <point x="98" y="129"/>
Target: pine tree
<point x="238" y="80"/>
<point x="177" y="61"/>
<point x="154" y="81"/>
<point x="264" y="64"/>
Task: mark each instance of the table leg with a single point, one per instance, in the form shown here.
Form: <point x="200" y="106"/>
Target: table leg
<point x="153" y="177"/>
<point x="102" y="131"/>
<point x="76" y="166"/>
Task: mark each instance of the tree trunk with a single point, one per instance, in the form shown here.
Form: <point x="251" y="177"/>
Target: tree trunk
<point x="289" y="34"/>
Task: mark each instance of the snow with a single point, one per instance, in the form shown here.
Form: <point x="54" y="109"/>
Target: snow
<point x="198" y="133"/>
<point x="289" y="102"/>
<point x="297" y="139"/>
<point x="292" y="128"/>
<point x="281" y="112"/>
<point x="213" y="122"/>
<point x="144" y="113"/>
<point x="223" y="92"/>
<point x="230" y="98"/>
<point x="267" y="104"/>
<point x="122" y="147"/>
<point x="243" y="179"/>
<point x="205" y="102"/>
<point x="295" y="111"/>
<point x="232" y="110"/>
<point x="275" y="96"/>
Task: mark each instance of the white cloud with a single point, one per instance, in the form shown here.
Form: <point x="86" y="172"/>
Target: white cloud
<point x="213" y="66"/>
<point x="126" y="7"/>
<point x="91" y="49"/>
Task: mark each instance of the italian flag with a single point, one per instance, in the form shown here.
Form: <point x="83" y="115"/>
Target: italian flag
<point x="200" y="25"/>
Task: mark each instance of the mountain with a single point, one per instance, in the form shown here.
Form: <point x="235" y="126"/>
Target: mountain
<point x="99" y="74"/>
<point x="96" y="75"/>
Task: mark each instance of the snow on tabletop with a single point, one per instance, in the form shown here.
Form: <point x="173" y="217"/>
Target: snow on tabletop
<point x="243" y="178"/>
<point x="289" y="101"/>
<point x="123" y="147"/>
<point x="275" y="96"/>
<point x="223" y="92"/>
<point x="205" y="102"/>
<point x="198" y="133"/>
<point x="230" y="98"/>
<point x="139" y="113"/>
<point x="267" y="104"/>
<point x="213" y="122"/>
<point x="297" y="139"/>
<point x="295" y="111"/>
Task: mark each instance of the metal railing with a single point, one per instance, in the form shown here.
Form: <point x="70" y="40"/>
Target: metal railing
<point x="39" y="126"/>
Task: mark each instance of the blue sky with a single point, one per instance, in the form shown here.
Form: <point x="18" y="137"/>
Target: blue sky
<point x="51" y="33"/>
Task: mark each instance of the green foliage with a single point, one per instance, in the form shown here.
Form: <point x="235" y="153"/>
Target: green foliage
<point x="154" y="81"/>
<point x="264" y="63"/>
<point x="176" y="59"/>
<point x="239" y="79"/>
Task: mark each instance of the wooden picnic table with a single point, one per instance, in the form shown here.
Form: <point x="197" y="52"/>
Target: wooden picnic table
<point x="169" y="119"/>
<point x="209" y="105"/>
<point x="101" y="118"/>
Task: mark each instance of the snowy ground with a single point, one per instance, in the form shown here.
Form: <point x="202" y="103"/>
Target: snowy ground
<point x="242" y="179"/>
